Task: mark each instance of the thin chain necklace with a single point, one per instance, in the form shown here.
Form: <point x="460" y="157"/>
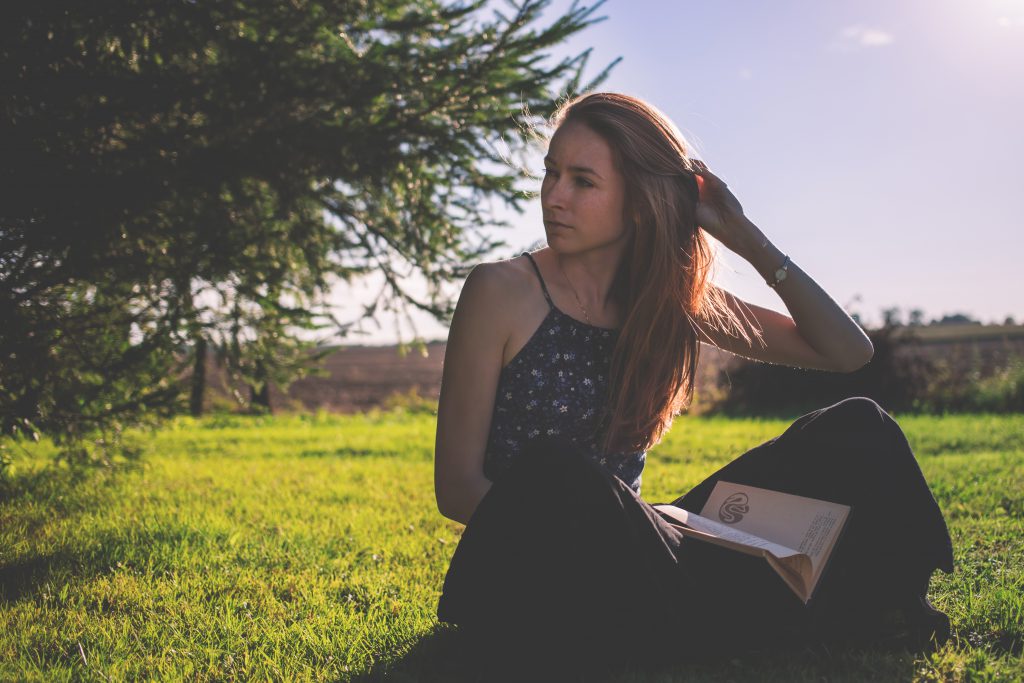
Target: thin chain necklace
<point x="582" y="307"/>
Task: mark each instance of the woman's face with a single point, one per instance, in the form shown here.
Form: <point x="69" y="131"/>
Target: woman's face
<point x="583" y="194"/>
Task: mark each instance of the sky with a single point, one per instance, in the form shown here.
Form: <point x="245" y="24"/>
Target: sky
<point x="879" y="144"/>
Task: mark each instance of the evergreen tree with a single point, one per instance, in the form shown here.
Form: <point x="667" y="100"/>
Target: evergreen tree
<point x="167" y="163"/>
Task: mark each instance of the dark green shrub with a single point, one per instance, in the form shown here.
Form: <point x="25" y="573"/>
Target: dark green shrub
<point x="893" y="378"/>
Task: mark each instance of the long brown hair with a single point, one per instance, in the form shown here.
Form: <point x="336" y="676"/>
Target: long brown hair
<point x="662" y="281"/>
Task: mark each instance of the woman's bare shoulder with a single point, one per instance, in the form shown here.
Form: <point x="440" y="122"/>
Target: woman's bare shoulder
<point x="499" y="307"/>
<point x="512" y="270"/>
<point x="503" y="285"/>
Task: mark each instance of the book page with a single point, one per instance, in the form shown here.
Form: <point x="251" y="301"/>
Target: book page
<point x="792" y="566"/>
<point x="724" y="531"/>
<point x="807" y="525"/>
<point x="795" y="572"/>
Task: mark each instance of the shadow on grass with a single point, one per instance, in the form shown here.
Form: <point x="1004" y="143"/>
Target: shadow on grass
<point x="441" y="656"/>
<point x="438" y="656"/>
<point x="344" y="452"/>
<point x="1002" y="643"/>
<point x="44" y="484"/>
<point x="82" y="559"/>
<point x="22" y="579"/>
<point x="56" y="495"/>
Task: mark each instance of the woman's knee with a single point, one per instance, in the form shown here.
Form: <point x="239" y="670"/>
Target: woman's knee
<point x="857" y="423"/>
<point x="858" y="413"/>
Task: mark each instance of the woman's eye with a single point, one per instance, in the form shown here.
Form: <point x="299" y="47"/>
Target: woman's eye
<point x="582" y="182"/>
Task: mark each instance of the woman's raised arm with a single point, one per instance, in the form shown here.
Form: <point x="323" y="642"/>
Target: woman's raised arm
<point x="472" y="364"/>
<point x="818" y="333"/>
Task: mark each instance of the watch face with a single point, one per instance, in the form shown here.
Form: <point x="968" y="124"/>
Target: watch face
<point x="780" y="274"/>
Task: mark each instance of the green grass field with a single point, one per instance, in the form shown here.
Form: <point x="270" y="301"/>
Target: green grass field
<point x="310" y="548"/>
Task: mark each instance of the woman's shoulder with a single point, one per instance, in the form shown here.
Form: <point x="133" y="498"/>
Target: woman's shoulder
<point x="498" y="292"/>
<point x="504" y="282"/>
<point x="512" y="267"/>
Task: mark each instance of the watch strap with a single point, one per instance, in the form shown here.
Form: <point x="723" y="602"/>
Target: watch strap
<point x="779" y="274"/>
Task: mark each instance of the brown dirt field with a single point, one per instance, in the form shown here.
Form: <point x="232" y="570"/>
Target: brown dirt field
<point x="360" y="378"/>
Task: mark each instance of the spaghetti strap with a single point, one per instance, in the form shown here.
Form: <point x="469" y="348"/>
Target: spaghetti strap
<point x="543" y="286"/>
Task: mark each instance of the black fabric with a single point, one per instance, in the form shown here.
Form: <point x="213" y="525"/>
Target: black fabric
<point x="573" y="567"/>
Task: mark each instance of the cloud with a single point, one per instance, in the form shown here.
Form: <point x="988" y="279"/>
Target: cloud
<point x="745" y="74"/>
<point x="861" y="37"/>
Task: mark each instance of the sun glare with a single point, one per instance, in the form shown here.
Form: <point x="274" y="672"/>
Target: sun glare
<point x="1008" y="13"/>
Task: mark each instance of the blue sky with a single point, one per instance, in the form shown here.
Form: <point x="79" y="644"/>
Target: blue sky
<point x="879" y="144"/>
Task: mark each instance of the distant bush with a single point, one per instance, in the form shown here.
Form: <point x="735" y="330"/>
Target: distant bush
<point x="410" y="402"/>
<point x="894" y="378"/>
<point x="901" y="377"/>
<point x="958" y="386"/>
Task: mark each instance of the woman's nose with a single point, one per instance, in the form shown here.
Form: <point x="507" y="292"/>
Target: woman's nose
<point x="555" y="195"/>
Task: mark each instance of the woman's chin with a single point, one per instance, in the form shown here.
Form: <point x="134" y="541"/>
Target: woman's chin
<point x="557" y="233"/>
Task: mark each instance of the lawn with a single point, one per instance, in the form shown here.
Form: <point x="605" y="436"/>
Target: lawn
<point x="310" y="547"/>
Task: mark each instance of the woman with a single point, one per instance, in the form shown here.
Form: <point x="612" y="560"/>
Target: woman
<point x="564" y="366"/>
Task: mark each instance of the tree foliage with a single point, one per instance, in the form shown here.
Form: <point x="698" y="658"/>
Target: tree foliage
<point x="181" y="171"/>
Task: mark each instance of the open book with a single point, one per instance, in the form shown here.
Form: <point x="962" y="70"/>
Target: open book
<point x="794" y="534"/>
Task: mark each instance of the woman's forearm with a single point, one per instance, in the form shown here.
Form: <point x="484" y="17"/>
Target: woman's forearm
<point x="820" y="320"/>
<point x="461" y="504"/>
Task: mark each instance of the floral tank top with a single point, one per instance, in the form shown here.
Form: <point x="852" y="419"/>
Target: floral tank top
<point x="556" y="386"/>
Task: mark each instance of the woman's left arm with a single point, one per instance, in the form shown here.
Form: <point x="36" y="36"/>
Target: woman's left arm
<point x="820" y="332"/>
<point x="824" y="325"/>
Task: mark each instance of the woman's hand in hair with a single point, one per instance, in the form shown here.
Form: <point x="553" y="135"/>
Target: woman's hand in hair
<point x="720" y="213"/>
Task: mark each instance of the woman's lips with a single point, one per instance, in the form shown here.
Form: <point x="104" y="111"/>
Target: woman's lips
<point x="554" y="224"/>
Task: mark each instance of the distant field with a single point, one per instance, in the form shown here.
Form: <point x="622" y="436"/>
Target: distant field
<point x="945" y="334"/>
<point x="360" y="378"/>
<point x="310" y="548"/>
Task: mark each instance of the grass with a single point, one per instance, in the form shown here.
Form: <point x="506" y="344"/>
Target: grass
<point x="310" y="548"/>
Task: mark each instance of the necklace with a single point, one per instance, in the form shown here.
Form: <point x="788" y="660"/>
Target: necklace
<point x="580" y="303"/>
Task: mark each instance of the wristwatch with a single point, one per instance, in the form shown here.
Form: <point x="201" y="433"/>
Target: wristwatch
<point x="780" y="274"/>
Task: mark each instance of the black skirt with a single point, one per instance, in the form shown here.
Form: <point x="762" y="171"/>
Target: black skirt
<point x="563" y="563"/>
